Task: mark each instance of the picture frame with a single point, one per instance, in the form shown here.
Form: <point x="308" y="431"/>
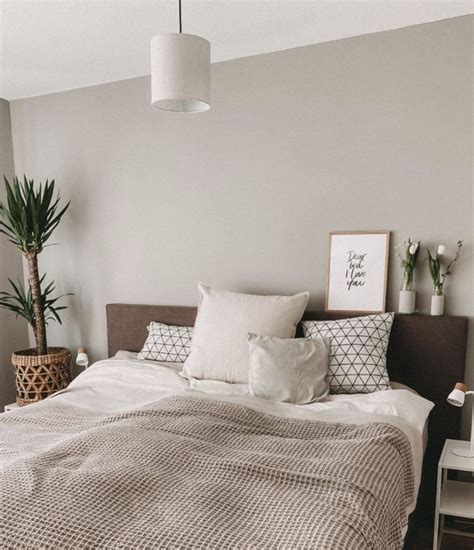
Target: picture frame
<point x="357" y="271"/>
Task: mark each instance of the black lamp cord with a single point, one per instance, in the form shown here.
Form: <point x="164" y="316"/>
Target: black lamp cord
<point x="180" y="22"/>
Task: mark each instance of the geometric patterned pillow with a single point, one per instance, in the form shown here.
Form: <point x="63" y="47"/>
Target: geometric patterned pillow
<point x="168" y="343"/>
<point x="358" y="352"/>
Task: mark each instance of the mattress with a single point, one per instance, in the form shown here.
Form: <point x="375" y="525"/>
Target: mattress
<point x="123" y="382"/>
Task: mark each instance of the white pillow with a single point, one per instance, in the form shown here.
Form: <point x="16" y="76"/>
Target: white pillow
<point x="219" y="349"/>
<point x="358" y="355"/>
<point x="166" y="343"/>
<point x="292" y="370"/>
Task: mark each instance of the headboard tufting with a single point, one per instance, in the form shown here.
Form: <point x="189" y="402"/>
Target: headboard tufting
<point x="426" y="353"/>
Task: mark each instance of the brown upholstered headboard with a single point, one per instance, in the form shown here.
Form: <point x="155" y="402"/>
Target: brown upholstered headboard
<point x="426" y="353"/>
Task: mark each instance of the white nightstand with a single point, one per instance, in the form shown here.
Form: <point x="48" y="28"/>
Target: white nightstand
<point x="453" y="498"/>
<point x="10" y="407"/>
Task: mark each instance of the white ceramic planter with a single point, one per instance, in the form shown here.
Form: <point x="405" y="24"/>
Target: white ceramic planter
<point x="437" y="305"/>
<point x="406" y="301"/>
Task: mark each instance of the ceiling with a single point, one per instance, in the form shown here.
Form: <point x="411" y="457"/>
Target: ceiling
<point x="50" y="46"/>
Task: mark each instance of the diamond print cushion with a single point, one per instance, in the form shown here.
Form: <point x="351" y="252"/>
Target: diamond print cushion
<point x="219" y="349"/>
<point x="167" y="343"/>
<point x="358" y="354"/>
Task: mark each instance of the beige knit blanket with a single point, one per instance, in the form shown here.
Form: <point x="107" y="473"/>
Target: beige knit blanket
<point x="193" y="472"/>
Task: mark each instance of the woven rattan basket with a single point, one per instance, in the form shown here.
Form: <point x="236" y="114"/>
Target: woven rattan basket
<point x="38" y="376"/>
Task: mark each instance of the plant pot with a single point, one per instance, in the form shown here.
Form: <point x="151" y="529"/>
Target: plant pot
<point x="406" y="302"/>
<point x="437" y="305"/>
<point x="39" y="376"/>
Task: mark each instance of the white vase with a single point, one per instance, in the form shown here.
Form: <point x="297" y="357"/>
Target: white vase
<point x="437" y="305"/>
<point x="406" y="301"/>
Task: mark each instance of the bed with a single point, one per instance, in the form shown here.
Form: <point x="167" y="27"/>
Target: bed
<point x="131" y="456"/>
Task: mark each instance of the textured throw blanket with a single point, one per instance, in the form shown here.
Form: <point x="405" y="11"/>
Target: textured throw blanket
<point x="193" y="472"/>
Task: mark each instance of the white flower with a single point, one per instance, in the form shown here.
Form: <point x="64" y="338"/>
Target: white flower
<point x="441" y="249"/>
<point x="413" y="248"/>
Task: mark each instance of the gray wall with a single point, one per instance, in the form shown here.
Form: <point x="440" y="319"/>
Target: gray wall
<point x="368" y="132"/>
<point x="13" y="334"/>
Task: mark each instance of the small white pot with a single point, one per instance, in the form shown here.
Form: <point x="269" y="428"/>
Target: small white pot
<point x="437" y="305"/>
<point x="406" y="301"/>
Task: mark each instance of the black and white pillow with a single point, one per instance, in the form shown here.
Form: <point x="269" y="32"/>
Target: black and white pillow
<point x="358" y="353"/>
<point x="167" y="343"/>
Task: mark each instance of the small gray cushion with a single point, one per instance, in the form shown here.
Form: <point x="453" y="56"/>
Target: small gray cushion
<point x="292" y="370"/>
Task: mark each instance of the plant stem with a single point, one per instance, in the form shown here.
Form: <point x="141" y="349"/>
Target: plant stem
<point x="40" y="325"/>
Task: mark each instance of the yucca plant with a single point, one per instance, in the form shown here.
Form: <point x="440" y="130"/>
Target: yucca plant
<point x="28" y="218"/>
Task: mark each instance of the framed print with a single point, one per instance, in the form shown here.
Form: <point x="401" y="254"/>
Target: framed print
<point x="357" y="271"/>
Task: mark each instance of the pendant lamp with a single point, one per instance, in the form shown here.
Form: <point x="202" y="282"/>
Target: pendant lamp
<point x="180" y="71"/>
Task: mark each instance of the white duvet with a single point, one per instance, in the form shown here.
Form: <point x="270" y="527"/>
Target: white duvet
<point x="124" y="382"/>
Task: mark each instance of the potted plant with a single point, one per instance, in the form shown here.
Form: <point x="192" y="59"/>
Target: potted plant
<point x="438" y="277"/>
<point x="407" y="297"/>
<point x="28" y="218"/>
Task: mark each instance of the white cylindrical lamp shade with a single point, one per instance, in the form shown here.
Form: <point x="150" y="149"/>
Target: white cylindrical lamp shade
<point x="180" y="72"/>
<point x="82" y="359"/>
<point x="457" y="396"/>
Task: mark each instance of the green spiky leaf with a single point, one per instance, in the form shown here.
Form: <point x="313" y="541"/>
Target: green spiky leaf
<point x="30" y="213"/>
<point x="20" y="302"/>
